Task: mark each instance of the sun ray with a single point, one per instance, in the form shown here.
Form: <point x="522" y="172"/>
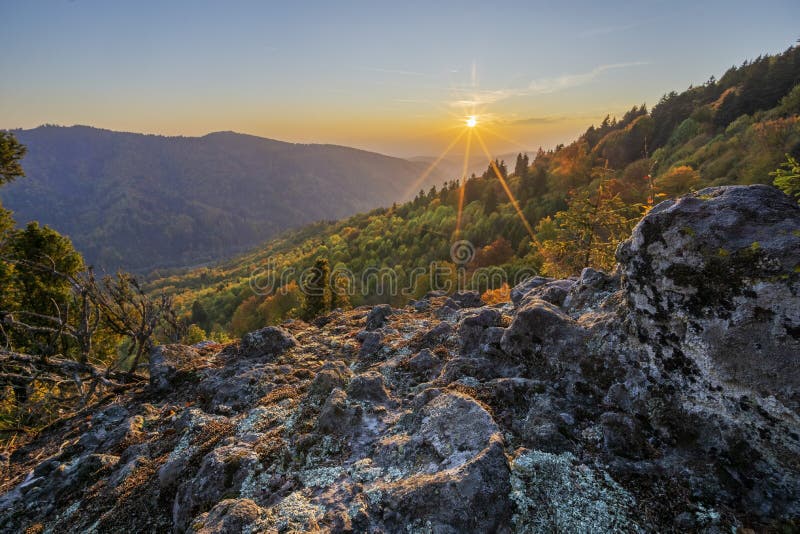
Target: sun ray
<point x="463" y="184"/>
<point x="413" y="188"/>
<point x="510" y="195"/>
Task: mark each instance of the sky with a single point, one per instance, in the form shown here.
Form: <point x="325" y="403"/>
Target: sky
<point x="393" y="77"/>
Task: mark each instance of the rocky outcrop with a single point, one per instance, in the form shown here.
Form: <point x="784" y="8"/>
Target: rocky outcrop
<point x="661" y="397"/>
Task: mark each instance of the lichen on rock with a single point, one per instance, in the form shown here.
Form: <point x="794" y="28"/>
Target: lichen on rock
<point x="660" y="397"/>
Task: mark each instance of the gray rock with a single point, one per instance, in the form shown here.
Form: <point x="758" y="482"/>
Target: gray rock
<point x="269" y="341"/>
<point x="554" y="292"/>
<point x="369" y="386"/>
<point x="377" y="316"/>
<point x="472" y="473"/>
<point x="231" y="515"/>
<point x="468" y="299"/>
<point x="436" y="335"/>
<point x="221" y="473"/>
<point x="424" y="363"/>
<point x="521" y="289"/>
<point x="332" y="375"/>
<point x="719" y="268"/>
<point x="165" y="363"/>
<point x="473" y="327"/>
<point x="337" y="416"/>
<point x="542" y="331"/>
<point x="590" y="290"/>
<point x="371" y="344"/>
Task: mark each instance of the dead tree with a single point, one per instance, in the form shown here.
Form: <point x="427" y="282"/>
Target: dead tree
<point x="65" y="365"/>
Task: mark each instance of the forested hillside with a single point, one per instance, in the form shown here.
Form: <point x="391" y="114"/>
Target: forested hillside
<point x="580" y="199"/>
<point x="144" y="201"/>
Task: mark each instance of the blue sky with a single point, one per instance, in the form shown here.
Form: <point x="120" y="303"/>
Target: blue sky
<point x="387" y="76"/>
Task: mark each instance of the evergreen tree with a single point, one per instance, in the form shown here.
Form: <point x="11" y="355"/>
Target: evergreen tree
<point x="199" y="315"/>
<point x="11" y="153"/>
<point x="40" y="253"/>
<point x="317" y="290"/>
<point x="521" y="166"/>
<point x="6" y="268"/>
<point x="339" y="292"/>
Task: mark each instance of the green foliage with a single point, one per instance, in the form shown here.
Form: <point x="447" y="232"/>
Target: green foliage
<point x="678" y="180"/>
<point x="194" y="334"/>
<point x="11" y="153"/>
<point x="38" y="264"/>
<point x="787" y="177"/>
<point x="586" y="234"/>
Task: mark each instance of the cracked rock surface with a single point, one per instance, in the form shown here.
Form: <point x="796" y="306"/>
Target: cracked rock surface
<point x="661" y="397"/>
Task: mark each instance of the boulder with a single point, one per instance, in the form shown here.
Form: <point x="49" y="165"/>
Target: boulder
<point x="714" y="276"/>
<point x="377" y="316"/>
<point x="166" y="362"/>
<point x="539" y="331"/>
<point x="589" y="291"/>
<point x="436" y="335"/>
<point x="469" y="491"/>
<point x="332" y="375"/>
<point x="270" y="341"/>
<point x="522" y="289"/>
<point x="221" y="473"/>
<point x="371" y="344"/>
<point x="337" y="415"/>
<point x="473" y="326"/>
<point x="554" y="292"/>
<point x="424" y="363"/>
<point x="370" y="387"/>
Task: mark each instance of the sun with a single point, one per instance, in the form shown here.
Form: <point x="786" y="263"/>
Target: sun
<point x="471" y="121"/>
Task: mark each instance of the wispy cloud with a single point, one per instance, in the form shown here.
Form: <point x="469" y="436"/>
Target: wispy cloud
<point x="542" y="86"/>
<point x="568" y="81"/>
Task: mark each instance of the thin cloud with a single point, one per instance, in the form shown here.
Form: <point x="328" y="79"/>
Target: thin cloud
<point x="551" y="85"/>
<point x="541" y="86"/>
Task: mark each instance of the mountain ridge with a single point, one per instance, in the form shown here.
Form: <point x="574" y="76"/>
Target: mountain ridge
<point x="143" y="201"/>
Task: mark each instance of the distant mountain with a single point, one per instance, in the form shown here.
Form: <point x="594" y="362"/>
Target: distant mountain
<point x="145" y="201"/>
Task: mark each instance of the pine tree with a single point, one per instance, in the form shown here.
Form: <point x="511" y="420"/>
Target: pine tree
<point x="199" y="315"/>
<point x="521" y="166"/>
<point x="11" y="153"/>
<point x="317" y="290"/>
<point x="44" y="259"/>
